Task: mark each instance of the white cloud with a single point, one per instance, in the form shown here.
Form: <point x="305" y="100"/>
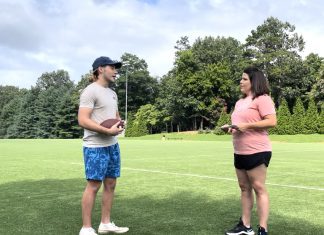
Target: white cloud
<point x="42" y="36"/>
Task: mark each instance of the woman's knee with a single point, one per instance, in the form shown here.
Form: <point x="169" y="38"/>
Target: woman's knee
<point x="259" y="187"/>
<point x="245" y="187"/>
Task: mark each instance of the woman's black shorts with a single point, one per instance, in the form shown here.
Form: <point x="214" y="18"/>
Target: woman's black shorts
<point x="248" y="162"/>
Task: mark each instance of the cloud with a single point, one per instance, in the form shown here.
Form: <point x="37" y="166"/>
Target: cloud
<point x="41" y="36"/>
<point x="19" y="27"/>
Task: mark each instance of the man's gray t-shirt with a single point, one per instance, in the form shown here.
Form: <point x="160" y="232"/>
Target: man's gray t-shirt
<point x="103" y="102"/>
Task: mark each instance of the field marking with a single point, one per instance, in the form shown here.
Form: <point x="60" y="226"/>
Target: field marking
<point x="220" y="178"/>
<point x="212" y="177"/>
<point x="179" y="174"/>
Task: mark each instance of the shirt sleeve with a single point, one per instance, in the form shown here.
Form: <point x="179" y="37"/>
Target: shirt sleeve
<point x="87" y="99"/>
<point x="116" y="98"/>
<point x="265" y="105"/>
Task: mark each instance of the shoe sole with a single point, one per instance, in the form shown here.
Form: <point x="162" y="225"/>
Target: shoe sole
<point x="241" y="233"/>
<point x="116" y="232"/>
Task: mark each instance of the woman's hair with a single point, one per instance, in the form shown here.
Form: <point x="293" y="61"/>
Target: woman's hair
<point x="259" y="83"/>
<point x="94" y="76"/>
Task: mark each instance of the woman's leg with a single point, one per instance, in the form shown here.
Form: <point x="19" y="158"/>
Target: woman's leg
<point x="257" y="178"/>
<point x="247" y="199"/>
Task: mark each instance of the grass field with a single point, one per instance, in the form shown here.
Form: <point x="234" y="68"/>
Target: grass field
<point x="167" y="187"/>
<point x="212" y="137"/>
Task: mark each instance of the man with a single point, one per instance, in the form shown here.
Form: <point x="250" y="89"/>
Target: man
<point x="100" y="148"/>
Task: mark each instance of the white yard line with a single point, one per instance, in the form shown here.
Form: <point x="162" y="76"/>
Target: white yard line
<point x="220" y="178"/>
<point x="209" y="177"/>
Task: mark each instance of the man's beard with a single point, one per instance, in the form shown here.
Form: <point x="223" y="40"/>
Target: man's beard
<point x="109" y="79"/>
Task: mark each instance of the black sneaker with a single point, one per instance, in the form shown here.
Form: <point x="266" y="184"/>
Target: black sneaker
<point x="262" y="231"/>
<point x="240" y="229"/>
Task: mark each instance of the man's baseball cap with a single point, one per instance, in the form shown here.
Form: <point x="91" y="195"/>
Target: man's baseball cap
<point x="103" y="61"/>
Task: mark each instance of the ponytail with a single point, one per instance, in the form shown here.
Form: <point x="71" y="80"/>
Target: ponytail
<point x="94" y="76"/>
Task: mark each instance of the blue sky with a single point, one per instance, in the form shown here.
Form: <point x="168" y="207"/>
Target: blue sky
<point x="44" y="35"/>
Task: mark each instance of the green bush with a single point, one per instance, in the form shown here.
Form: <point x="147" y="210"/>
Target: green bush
<point x="284" y="118"/>
<point x="224" y="118"/>
<point x="298" y="118"/>
<point x="311" y="118"/>
<point x="321" y="122"/>
<point x="135" y="127"/>
<point x="200" y="131"/>
<point x="218" y="131"/>
<point x="207" y="131"/>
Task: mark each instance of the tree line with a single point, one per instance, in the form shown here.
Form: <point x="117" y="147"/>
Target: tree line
<point x="198" y="93"/>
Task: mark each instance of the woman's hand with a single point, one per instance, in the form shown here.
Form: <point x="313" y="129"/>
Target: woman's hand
<point x="243" y="127"/>
<point x="231" y="129"/>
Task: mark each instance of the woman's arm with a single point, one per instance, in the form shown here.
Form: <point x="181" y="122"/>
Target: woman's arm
<point x="267" y="122"/>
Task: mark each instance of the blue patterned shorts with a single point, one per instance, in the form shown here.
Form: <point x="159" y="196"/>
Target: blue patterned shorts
<point x="102" y="162"/>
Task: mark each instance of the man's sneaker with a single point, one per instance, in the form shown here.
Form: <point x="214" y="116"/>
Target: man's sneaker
<point x="240" y="229"/>
<point x="87" y="231"/>
<point x="262" y="231"/>
<point x="111" y="228"/>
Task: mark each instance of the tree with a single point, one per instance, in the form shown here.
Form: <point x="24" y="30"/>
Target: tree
<point x="207" y="78"/>
<point x="206" y="90"/>
<point x="169" y="102"/>
<point x="129" y="131"/>
<point x="142" y="88"/>
<point x="24" y="122"/>
<point x="148" y="115"/>
<point x="284" y="120"/>
<point x="182" y="44"/>
<point x="46" y="106"/>
<point x="274" y="35"/>
<point x="274" y="47"/>
<point x="311" y="118"/>
<point x="211" y="50"/>
<point x="317" y="91"/>
<point x="56" y="79"/>
<point x="66" y="121"/>
<point x="8" y="114"/>
<point x="84" y="82"/>
<point x="298" y="117"/>
<point x="321" y="122"/>
<point x="53" y="88"/>
<point x="313" y="63"/>
<point x="10" y="105"/>
<point x="135" y="128"/>
<point x="7" y="93"/>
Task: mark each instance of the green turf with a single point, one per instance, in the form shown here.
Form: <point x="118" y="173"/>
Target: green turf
<point x="213" y="137"/>
<point x="167" y="187"/>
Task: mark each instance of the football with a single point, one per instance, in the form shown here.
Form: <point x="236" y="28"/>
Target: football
<point x="110" y="122"/>
<point x="226" y="127"/>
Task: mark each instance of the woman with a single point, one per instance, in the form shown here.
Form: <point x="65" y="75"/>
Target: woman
<point x="253" y="114"/>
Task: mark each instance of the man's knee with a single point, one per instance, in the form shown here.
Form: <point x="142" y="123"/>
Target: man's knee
<point x="93" y="186"/>
<point x="110" y="184"/>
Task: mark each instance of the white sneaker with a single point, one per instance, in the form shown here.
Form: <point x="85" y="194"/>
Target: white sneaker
<point x="111" y="228"/>
<point x="87" y="231"/>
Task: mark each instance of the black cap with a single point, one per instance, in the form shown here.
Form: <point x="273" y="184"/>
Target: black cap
<point x="103" y="61"/>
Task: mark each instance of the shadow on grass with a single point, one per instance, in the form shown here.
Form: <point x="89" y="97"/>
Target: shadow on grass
<point x="53" y="207"/>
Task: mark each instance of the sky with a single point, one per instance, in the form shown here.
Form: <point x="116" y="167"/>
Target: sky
<point x="38" y="36"/>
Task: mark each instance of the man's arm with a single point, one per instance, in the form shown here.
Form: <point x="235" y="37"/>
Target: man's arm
<point x="86" y="122"/>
